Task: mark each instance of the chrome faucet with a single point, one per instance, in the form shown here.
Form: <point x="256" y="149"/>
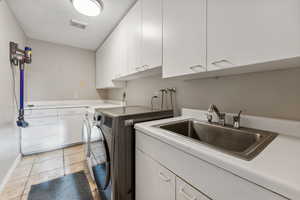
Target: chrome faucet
<point x="213" y="109"/>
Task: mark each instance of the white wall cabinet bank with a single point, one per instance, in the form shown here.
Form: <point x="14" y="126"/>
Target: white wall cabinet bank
<point x="201" y="38"/>
<point x="164" y="172"/>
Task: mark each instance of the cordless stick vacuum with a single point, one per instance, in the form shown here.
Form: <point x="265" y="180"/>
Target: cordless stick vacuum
<point x="20" y="57"/>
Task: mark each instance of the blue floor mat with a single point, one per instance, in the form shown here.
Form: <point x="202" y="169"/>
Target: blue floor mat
<point x="71" y="187"/>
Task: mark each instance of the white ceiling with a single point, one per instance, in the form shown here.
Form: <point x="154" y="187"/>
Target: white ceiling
<point x="49" y="20"/>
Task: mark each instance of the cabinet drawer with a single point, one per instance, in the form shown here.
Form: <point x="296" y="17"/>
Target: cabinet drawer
<point x="27" y="113"/>
<point x="186" y="192"/>
<point x="40" y="113"/>
<point x="72" y="111"/>
<point x="42" y="121"/>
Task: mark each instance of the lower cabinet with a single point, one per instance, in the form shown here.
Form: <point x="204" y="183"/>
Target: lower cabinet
<point x="152" y="180"/>
<point x="51" y="128"/>
<point x="164" y="172"/>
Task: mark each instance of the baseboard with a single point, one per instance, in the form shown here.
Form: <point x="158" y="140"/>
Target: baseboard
<point x="10" y="172"/>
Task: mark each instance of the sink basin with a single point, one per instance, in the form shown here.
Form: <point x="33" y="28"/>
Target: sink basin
<point x="243" y="143"/>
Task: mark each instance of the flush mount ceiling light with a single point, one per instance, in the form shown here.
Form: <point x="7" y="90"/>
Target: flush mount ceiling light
<point x="88" y="7"/>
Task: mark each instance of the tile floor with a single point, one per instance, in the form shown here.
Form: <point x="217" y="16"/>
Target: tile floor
<point x="44" y="167"/>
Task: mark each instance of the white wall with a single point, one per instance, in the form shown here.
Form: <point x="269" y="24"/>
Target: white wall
<point x="270" y="94"/>
<point x="10" y="31"/>
<point x="60" y="72"/>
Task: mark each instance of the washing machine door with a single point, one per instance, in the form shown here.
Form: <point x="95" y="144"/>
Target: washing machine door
<point x="100" y="158"/>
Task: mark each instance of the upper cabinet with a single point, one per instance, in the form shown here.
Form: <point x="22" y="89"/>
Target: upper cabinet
<point x="151" y="33"/>
<point x="242" y="33"/>
<point x="134" y="49"/>
<point x="144" y="36"/>
<point x="109" y="61"/>
<point x="184" y="37"/>
<point x="122" y="47"/>
<point x="133" y="22"/>
<point x="102" y="80"/>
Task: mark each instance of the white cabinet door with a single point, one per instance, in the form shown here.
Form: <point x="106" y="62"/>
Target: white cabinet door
<point x="42" y="134"/>
<point x="152" y="180"/>
<point x="133" y="22"/>
<point x="70" y="127"/>
<point x="184" y="37"/>
<point x="102" y="77"/>
<point x="99" y="69"/>
<point x="151" y="33"/>
<point x="186" y="192"/>
<point x="116" y="52"/>
<point x="108" y="62"/>
<point x="121" y="47"/>
<point x="253" y="31"/>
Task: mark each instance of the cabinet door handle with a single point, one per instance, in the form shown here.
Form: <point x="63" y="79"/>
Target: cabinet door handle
<point x="186" y="195"/>
<point x="195" y="67"/>
<point x="139" y="69"/>
<point x="164" y="177"/>
<point x="145" y="67"/>
<point x="221" y="61"/>
<point x="118" y="75"/>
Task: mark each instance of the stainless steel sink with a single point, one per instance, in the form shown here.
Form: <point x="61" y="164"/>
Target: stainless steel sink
<point x="243" y="143"/>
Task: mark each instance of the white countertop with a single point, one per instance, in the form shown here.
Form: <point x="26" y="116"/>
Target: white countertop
<point x="90" y="104"/>
<point x="277" y="168"/>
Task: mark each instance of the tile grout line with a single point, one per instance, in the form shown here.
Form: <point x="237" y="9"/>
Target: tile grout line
<point x="28" y="177"/>
<point x="64" y="164"/>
